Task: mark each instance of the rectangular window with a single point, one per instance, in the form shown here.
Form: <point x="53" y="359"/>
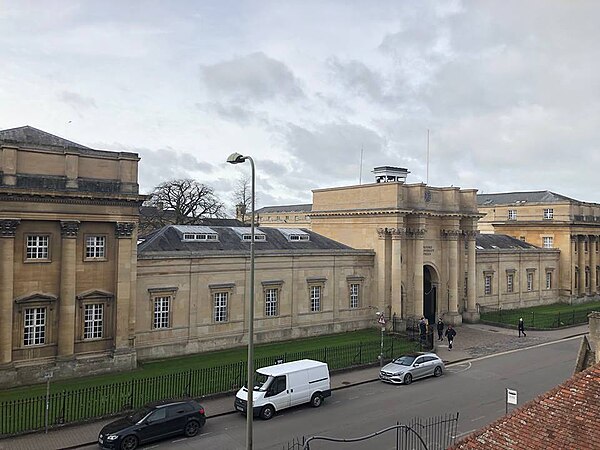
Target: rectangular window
<point x="548" y="280"/>
<point x="271" y="307"/>
<point x="95" y="247"/>
<point x="512" y="214"/>
<point x="586" y="277"/>
<point x="162" y="312"/>
<point x="37" y="247"/>
<point x="585" y="246"/>
<point x="548" y="242"/>
<point x="522" y="238"/>
<point x="548" y="213"/>
<point x="221" y="299"/>
<point x="93" y="320"/>
<point x="530" y="281"/>
<point x="510" y="278"/>
<point x="34" y="329"/>
<point x="354" y="290"/>
<point x="488" y="285"/>
<point x="315" y="298"/>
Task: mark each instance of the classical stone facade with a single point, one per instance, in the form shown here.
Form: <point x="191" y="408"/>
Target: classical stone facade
<point x="68" y="260"/>
<point x="551" y="220"/>
<point x="193" y="288"/>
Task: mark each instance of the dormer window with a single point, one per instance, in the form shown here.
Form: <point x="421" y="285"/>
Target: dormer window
<point x="257" y="237"/>
<point x="295" y="234"/>
<point x="200" y="237"/>
<point x="299" y="237"/>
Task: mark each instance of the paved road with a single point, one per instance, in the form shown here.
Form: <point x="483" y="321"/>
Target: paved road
<point x="475" y="389"/>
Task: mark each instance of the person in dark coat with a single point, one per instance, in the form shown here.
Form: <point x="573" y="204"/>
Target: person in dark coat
<point x="522" y="327"/>
<point x="440" y="329"/>
<point x="450" y="334"/>
<point x="422" y="329"/>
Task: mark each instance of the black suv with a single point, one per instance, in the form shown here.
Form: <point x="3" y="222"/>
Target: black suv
<point x="152" y="423"/>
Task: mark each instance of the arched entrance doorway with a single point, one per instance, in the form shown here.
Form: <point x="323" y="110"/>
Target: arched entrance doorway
<point x="430" y="283"/>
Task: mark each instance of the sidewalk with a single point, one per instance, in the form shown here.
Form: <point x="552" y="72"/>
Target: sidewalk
<point x="472" y="341"/>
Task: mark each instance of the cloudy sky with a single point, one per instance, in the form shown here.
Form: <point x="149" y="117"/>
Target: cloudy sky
<point x="510" y="90"/>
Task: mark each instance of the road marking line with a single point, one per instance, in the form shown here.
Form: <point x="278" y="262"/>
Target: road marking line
<point x="477" y="418"/>
<point x="464" y="434"/>
<point x="179" y="440"/>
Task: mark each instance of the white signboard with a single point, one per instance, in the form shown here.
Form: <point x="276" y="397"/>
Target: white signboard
<point x="511" y="396"/>
<point x="381" y="319"/>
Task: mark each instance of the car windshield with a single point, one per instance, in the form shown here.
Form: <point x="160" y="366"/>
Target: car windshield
<point x="139" y="415"/>
<point x="405" y="360"/>
<point x="261" y="382"/>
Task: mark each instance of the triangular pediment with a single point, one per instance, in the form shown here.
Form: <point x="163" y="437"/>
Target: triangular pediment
<point x="36" y="297"/>
<point x="32" y="136"/>
<point x="94" y="293"/>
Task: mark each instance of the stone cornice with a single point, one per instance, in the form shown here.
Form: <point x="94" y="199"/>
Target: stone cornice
<point x="72" y="199"/>
<point x="358" y="212"/>
<point x="8" y="227"/>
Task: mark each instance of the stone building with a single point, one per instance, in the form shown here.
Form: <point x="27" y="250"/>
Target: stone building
<point x="193" y="288"/>
<point x="68" y="256"/>
<point x="550" y="220"/>
<point x="287" y="216"/>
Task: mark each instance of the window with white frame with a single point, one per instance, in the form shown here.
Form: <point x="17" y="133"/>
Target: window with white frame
<point x="162" y="312"/>
<point x="34" y="326"/>
<point x="530" y="281"/>
<point x="548" y="213"/>
<point x="487" y="288"/>
<point x="512" y="214"/>
<point x="271" y="303"/>
<point x="95" y="247"/>
<point x="315" y="298"/>
<point x="548" y="242"/>
<point x="93" y="321"/>
<point x="354" y="295"/>
<point x="548" y="280"/>
<point x="38" y="247"/>
<point x="220" y="306"/>
<point x="510" y="282"/>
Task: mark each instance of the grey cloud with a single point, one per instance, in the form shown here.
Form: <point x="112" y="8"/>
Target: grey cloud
<point x="251" y="78"/>
<point x="77" y="101"/>
<point x="357" y="77"/>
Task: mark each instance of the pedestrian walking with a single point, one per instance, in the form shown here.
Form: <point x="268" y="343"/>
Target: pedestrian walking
<point x="422" y="329"/>
<point x="522" y="327"/>
<point x="440" y="329"/>
<point x="450" y="334"/>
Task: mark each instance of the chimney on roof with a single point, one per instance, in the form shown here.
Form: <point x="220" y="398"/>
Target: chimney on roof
<point x="389" y="174"/>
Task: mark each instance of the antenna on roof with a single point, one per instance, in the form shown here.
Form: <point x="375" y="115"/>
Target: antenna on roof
<point x="427" y="163"/>
<point x="360" y="170"/>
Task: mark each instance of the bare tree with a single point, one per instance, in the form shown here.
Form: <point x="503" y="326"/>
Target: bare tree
<point x="183" y="202"/>
<point x="242" y="198"/>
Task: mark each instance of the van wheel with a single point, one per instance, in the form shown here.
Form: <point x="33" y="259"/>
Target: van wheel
<point x="316" y="400"/>
<point x="267" y="412"/>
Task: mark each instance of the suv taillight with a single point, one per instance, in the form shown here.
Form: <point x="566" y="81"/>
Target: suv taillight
<point x="201" y="411"/>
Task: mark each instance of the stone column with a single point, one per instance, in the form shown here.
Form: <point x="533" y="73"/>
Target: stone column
<point x="124" y="232"/>
<point x="472" y="315"/>
<point x="418" y="236"/>
<point x="581" y="264"/>
<point x="68" y="263"/>
<point x="593" y="263"/>
<point x="397" y="235"/>
<point x="574" y="275"/>
<point x="383" y="280"/>
<point x="451" y="235"/>
<point x="8" y="229"/>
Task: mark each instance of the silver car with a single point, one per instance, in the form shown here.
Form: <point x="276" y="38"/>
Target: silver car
<point x="405" y="369"/>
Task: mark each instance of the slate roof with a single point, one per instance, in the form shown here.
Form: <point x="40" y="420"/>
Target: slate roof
<point x="33" y="136"/>
<point x="169" y="239"/>
<point x="306" y="207"/>
<point x="502" y="242"/>
<point x="566" y="417"/>
<point x="510" y="198"/>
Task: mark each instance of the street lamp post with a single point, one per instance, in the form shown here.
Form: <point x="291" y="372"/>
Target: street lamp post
<point x="236" y="158"/>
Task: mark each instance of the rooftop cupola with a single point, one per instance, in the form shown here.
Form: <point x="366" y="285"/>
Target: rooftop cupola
<point x="389" y="174"/>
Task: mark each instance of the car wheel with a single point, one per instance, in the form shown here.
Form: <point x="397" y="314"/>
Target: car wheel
<point x="316" y="400"/>
<point x="191" y="428"/>
<point x="407" y="378"/>
<point x="438" y="371"/>
<point x="129" y="442"/>
<point x="267" y="412"/>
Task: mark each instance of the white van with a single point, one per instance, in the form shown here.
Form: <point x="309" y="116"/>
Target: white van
<point x="283" y="385"/>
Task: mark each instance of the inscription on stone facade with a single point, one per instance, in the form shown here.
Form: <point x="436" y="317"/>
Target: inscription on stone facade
<point x="428" y="250"/>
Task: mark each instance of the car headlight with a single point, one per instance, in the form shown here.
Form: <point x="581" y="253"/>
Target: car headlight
<point x="112" y="437"/>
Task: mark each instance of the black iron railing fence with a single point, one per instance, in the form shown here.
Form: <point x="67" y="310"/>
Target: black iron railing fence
<point x="533" y="319"/>
<point x="68" y="406"/>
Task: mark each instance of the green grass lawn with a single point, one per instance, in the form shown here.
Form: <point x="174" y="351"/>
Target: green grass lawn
<point x="211" y="359"/>
<point x="544" y="316"/>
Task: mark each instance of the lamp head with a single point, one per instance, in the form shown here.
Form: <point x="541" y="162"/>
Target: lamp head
<point x="236" y="158"/>
<point x="378" y="313"/>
